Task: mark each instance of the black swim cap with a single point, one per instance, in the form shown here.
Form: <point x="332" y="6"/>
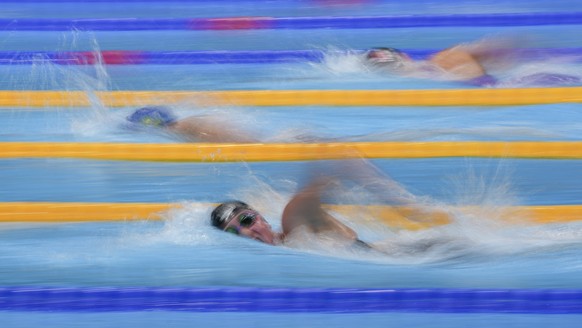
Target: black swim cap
<point x="220" y="216"/>
<point x="385" y="56"/>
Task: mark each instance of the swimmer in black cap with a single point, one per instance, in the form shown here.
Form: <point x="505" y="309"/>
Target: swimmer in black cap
<point x="192" y="128"/>
<point x="459" y="64"/>
<point x="387" y="58"/>
<point x="468" y="63"/>
<point x="304" y="212"/>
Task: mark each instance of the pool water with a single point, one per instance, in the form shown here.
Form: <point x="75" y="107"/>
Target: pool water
<point x="477" y="250"/>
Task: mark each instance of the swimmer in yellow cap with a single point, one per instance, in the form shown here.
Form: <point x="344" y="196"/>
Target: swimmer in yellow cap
<point x="193" y="128"/>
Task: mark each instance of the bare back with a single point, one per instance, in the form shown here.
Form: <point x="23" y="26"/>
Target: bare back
<point x="459" y="62"/>
<point x="209" y="129"/>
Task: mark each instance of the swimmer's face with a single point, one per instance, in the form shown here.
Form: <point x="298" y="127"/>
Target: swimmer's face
<point x="387" y="58"/>
<point x="251" y="224"/>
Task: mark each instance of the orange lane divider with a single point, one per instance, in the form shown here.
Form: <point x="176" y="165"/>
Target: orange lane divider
<point x="206" y="152"/>
<point x="445" y="97"/>
<point x="397" y="217"/>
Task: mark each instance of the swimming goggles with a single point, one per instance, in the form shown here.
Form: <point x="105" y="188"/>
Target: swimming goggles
<point x="245" y="220"/>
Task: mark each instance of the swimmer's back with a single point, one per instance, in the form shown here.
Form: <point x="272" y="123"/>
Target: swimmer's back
<point x="458" y="62"/>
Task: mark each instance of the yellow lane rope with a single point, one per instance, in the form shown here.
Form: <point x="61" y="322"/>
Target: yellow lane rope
<point x="446" y="97"/>
<point x="206" y="152"/>
<point x="400" y="217"/>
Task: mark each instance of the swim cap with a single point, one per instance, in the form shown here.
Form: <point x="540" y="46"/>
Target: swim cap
<point x="387" y="57"/>
<point x="220" y="216"/>
<point x="157" y="116"/>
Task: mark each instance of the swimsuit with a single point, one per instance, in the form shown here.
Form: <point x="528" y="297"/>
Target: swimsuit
<point x="483" y="81"/>
<point x="548" y="79"/>
<point x="361" y="245"/>
<point x="537" y="79"/>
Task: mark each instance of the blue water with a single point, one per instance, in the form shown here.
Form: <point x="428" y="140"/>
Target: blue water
<point x="536" y="122"/>
<point x="184" y="251"/>
<point x="284" y="8"/>
<point x="531" y="182"/>
<point x="178" y="319"/>
<point x="432" y="38"/>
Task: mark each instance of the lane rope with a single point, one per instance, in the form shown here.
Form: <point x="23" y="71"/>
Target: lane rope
<point x="218" y="152"/>
<point x="397" y="217"/>
<point x="134" y="57"/>
<point x="291" y="300"/>
<point x="295" y="23"/>
<point x="447" y="97"/>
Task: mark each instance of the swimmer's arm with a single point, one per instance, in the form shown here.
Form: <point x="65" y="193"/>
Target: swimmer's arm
<point x="208" y="129"/>
<point x="385" y="189"/>
<point x="366" y="175"/>
<point x="488" y="53"/>
<point x="491" y="48"/>
<point x="458" y="61"/>
<point x="305" y="210"/>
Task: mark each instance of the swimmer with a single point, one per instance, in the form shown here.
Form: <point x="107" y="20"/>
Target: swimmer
<point x="193" y="128"/>
<point x="460" y="63"/>
<point x="304" y="212"/>
<point x="467" y="63"/>
<point x="201" y="128"/>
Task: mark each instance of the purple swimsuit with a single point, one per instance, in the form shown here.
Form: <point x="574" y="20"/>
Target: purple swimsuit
<point x="537" y="79"/>
<point x="483" y="81"/>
